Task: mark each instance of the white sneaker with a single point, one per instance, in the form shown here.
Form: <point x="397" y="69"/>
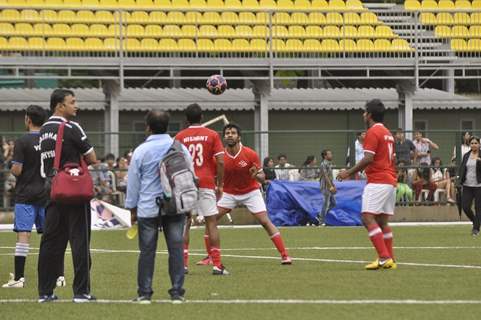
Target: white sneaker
<point x="61" y="281"/>
<point x="20" y="283"/>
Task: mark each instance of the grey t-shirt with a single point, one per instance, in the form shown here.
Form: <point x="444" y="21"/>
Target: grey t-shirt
<point x="471" y="180"/>
<point x="325" y="171"/>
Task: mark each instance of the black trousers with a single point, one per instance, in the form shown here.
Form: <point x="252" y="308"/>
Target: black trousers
<point x="65" y="223"/>
<point x="470" y="194"/>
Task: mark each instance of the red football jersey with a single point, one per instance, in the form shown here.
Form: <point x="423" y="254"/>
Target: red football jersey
<point x="203" y="144"/>
<point x="237" y="179"/>
<point x="380" y="142"/>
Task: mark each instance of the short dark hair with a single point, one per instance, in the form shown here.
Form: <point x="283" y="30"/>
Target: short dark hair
<point x="281" y="156"/>
<point x="110" y="156"/>
<point x="400" y="130"/>
<point x="36" y="114"/>
<point x="58" y="96"/>
<point x="157" y="121"/>
<point x="193" y="113"/>
<point x="231" y="126"/>
<point x="324" y="153"/>
<point x="376" y="108"/>
<point x="474" y="138"/>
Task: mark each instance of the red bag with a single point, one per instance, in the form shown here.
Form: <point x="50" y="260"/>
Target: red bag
<point x="73" y="184"/>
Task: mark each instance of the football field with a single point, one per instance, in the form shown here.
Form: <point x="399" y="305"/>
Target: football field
<point x="438" y="277"/>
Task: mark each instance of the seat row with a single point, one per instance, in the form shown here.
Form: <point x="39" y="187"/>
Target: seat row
<point x="202" y="45"/>
<point x="415" y="5"/>
<point x="458" y="32"/>
<point x="190" y="31"/>
<point x="429" y="18"/>
<point x="461" y="45"/>
<point x="335" y="5"/>
<point x="192" y="17"/>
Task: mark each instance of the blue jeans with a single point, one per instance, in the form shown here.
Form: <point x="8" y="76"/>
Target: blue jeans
<point x="173" y="228"/>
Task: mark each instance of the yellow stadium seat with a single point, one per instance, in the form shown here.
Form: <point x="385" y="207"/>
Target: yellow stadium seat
<point x="157" y="17"/>
<point x="48" y="16"/>
<point x="366" y="32"/>
<point x="296" y="32"/>
<point x="400" y="45"/>
<point x="281" y="18"/>
<point x="99" y="30"/>
<point x="229" y="17"/>
<point x="382" y="45"/>
<point x="42" y="29"/>
<point x="79" y="30"/>
<point x="90" y="3"/>
<point x="368" y="18"/>
<point x="279" y="32"/>
<point x="314" y="32"/>
<point x="115" y="30"/>
<point x="108" y="3"/>
<point x="139" y="17"/>
<point x="352" y="18"/>
<point x="278" y="45"/>
<point x="267" y="4"/>
<point x="3" y="43"/>
<point x="442" y="31"/>
<point x="232" y="4"/>
<point x="17" y="44"/>
<point x="474" y="45"/>
<point x="260" y="31"/>
<point x="153" y="30"/>
<point x="412" y="5"/>
<point x="7" y="29"/>
<point x="74" y="44"/>
<point x="317" y="18"/>
<point x="285" y="5"/>
<point x="132" y="45"/>
<point x="162" y="4"/>
<point x="226" y="31"/>
<point x="319" y="5"/>
<point x="299" y="18"/>
<point x="55" y="44"/>
<point x="189" y="31"/>
<point x="24" y="29"/>
<point x="145" y="4"/>
<point x="365" y="45"/>
<point x="16" y="3"/>
<point x="247" y="17"/>
<point x="207" y="31"/>
<point x="61" y="29"/>
<point x="462" y="18"/>
<point x="347" y="45"/>
<point x="311" y="45"/>
<point x="476" y="4"/>
<point x="462" y="4"/>
<point x="428" y="18"/>
<point x="475" y="18"/>
<point x="258" y="45"/>
<point x="175" y="17"/>
<point x="349" y="32"/>
<point x="429" y="5"/>
<point x="72" y="3"/>
<point x="459" y="32"/>
<point x="210" y="18"/>
<point x="294" y="45"/>
<point x="446" y="5"/>
<point x="180" y="4"/>
<point x="168" y="45"/>
<point x="85" y="16"/>
<point x="10" y="15"/>
<point x="250" y="4"/>
<point x="36" y="43"/>
<point x="302" y="4"/>
<point x="459" y="45"/>
<point x="222" y="45"/>
<point x="36" y="3"/>
<point x="337" y="5"/>
<point x="240" y="45"/>
<point x="354" y="5"/>
<point x="66" y="16"/>
<point x="29" y="15"/>
<point x="444" y="18"/>
<point x="243" y="31"/>
<point x="383" y="31"/>
<point x="205" y="45"/>
<point x="186" y="45"/>
<point x="122" y="16"/>
<point x="198" y="4"/>
<point x="135" y="30"/>
<point x="54" y="3"/>
<point x="149" y="45"/>
<point x="331" y="32"/>
<point x="215" y="4"/>
<point x="330" y="45"/>
<point x="193" y="17"/>
<point x="109" y="44"/>
<point x="104" y="16"/>
<point x="171" y="31"/>
<point x="475" y="31"/>
<point x="334" y="18"/>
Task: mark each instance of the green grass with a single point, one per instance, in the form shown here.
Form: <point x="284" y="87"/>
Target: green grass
<point x="314" y="278"/>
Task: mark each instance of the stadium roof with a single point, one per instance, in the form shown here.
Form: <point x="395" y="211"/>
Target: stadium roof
<point x="241" y="99"/>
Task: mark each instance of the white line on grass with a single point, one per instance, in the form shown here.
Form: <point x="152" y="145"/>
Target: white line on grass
<point x="272" y="301"/>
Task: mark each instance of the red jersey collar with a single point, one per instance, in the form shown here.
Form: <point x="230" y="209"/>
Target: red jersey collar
<point x="233" y="157"/>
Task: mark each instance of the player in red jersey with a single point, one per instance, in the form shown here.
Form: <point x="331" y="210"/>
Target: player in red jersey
<point x="379" y="196"/>
<point x="243" y="172"/>
<point x="207" y="152"/>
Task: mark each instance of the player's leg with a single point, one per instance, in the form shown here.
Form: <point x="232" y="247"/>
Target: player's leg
<point x="383" y="222"/>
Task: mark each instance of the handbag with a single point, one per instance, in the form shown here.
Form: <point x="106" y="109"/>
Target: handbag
<point x="73" y="183"/>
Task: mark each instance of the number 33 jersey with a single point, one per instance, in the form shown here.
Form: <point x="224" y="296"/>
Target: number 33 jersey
<point x="203" y="144"/>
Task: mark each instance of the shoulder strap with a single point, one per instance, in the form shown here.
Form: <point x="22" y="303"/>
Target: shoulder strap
<point x="58" y="146"/>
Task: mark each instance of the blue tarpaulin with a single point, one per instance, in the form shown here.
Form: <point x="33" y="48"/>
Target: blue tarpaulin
<point x="294" y="203"/>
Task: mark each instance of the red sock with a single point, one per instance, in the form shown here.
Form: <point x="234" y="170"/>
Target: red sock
<point x="377" y="239"/>
<point x="207" y="244"/>
<point x="215" y="254"/>
<point x="277" y="239"/>
<point x="387" y="234"/>
<point x="186" y="254"/>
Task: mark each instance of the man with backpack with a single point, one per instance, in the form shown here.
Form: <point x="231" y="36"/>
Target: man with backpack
<point x="153" y="207"/>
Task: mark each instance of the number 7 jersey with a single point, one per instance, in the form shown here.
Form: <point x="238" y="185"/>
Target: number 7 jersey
<point x="203" y="144"/>
<point x="380" y="142"/>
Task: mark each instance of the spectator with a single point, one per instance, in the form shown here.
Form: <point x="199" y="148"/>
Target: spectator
<point x="423" y="149"/>
<point x="405" y="148"/>
<point x="268" y="171"/>
<point x="121" y="174"/>
<point x="422" y="180"/>
<point x="309" y="170"/>
<point x="282" y="171"/>
<point x="110" y="161"/>
<point x="441" y="179"/>
<point x="103" y="188"/>
<point x="358" y="146"/>
<point x="327" y="185"/>
<point x="465" y="147"/>
<point x="403" y="192"/>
